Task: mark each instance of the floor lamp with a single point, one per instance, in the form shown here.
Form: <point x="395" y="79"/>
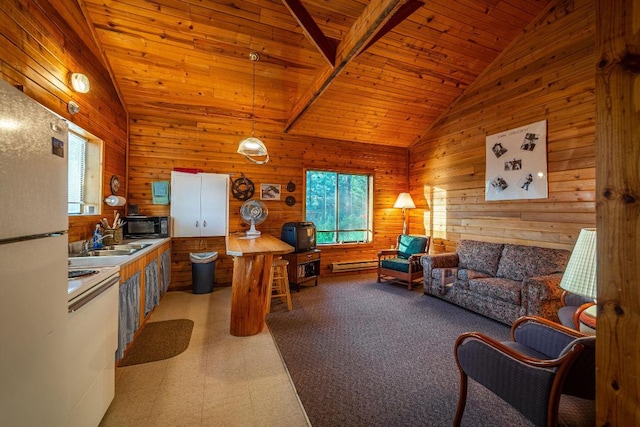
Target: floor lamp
<point x="404" y="201"/>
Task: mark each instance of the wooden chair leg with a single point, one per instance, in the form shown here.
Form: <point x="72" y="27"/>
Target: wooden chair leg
<point x="462" y="399"/>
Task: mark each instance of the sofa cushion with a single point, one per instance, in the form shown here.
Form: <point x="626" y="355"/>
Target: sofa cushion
<point x="411" y="245"/>
<point x="479" y="256"/>
<point x="399" y="264"/>
<point x="497" y="288"/>
<point x="519" y="262"/>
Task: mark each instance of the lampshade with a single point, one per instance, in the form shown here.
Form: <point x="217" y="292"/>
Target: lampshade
<point x="580" y="276"/>
<point x="80" y="83"/>
<point x="404" y="201"/>
<point x="252" y="147"/>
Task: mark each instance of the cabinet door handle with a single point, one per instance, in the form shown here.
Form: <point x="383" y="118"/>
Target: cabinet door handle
<point x="197" y="224"/>
<point x="204" y="223"/>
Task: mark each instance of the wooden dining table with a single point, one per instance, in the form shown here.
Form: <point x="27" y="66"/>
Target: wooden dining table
<point x="251" y="286"/>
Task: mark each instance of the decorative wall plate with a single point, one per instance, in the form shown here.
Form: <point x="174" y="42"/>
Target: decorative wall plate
<point x="291" y="187"/>
<point x="115" y="184"/>
<point x="290" y="200"/>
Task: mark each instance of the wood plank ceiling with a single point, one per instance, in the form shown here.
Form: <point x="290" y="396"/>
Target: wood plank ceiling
<point x="387" y="82"/>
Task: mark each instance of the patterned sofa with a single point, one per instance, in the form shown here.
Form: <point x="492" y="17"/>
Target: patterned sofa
<point x="500" y="281"/>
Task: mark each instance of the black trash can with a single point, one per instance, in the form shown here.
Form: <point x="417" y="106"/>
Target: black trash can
<point x="203" y="271"/>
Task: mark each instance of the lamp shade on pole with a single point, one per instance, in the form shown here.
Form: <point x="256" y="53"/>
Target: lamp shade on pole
<point x="580" y="276"/>
<point x="404" y="201"/>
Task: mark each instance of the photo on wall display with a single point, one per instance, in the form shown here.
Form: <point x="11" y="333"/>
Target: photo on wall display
<point x="270" y="191"/>
<point x="516" y="163"/>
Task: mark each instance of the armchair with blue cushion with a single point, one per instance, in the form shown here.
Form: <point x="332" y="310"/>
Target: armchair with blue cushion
<point x="402" y="265"/>
<point x="546" y="372"/>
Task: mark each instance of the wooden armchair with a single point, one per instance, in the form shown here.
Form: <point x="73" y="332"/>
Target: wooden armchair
<point x="546" y="372"/>
<point x="402" y="265"/>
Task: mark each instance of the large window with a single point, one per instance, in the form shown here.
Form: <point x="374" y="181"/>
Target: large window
<point x="84" y="156"/>
<point x="340" y="205"/>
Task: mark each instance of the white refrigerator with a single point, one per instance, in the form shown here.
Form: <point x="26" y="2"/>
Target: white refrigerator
<point x="33" y="262"/>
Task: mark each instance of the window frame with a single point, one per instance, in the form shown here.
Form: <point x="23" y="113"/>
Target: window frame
<point x="94" y="171"/>
<point x="370" y="203"/>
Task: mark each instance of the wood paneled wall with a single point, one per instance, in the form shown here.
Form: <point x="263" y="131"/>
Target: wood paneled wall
<point x="38" y="51"/>
<point x="548" y="73"/>
<point x="167" y="140"/>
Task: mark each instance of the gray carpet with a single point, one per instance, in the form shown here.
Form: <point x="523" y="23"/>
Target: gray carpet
<point x="361" y="353"/>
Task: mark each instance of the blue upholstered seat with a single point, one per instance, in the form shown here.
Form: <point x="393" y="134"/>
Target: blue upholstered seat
<point x="547" y="371"/>
<point x="403" y="264"/>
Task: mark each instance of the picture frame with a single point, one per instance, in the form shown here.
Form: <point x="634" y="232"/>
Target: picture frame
<point x="516" y="163"/>
<point x="270" y="191"/>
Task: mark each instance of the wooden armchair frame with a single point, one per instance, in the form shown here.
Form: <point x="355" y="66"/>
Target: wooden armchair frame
<point x="558" y="369"/>
<point x="400" y="276"/>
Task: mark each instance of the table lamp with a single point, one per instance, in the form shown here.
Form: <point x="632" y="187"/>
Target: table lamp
<point x="580" y="275"/>
<point x="404" y="201"/>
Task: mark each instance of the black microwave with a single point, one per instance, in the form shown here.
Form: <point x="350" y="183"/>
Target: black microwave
<point x="140" y="226"/>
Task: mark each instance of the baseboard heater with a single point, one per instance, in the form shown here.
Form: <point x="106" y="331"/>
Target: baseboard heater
<point x="342" y="266"/>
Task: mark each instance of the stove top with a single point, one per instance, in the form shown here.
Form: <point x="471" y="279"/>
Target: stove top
<point x="82" y="279"/>
<point x="72" y="274"/>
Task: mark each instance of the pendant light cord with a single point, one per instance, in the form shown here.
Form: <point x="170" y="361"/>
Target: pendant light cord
<point x="255" y="58"/>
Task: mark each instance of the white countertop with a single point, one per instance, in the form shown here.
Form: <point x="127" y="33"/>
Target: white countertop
<point x="79" y="285"/>
<point x="117" y="260"/>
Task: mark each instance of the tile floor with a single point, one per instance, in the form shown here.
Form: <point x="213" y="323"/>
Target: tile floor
<point x="220" y="380"/>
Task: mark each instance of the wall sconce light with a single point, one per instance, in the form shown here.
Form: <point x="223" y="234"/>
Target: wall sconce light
<point x="73" y="107"/>
<point x="80" y="83"/>
<point x="252" y="147"/>
<point x="405" y="202"/>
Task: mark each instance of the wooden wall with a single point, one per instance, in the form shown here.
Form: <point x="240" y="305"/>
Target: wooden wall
<point x="161" y="141"/>
<point x="548" y="73"/>
<point x="38" y="50"/>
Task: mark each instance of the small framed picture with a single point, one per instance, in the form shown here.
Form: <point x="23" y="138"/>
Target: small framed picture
<point x="270" y="191"/>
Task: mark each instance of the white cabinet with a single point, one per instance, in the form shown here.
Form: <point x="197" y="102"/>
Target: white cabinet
<point x="199" y="204"/>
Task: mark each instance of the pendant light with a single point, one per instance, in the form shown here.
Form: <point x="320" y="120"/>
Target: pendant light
<point x="252" y="147"/>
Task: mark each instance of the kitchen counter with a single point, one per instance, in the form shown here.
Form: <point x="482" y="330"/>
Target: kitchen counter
<point x="119" y="260"/>
<point x="145" y="276"/>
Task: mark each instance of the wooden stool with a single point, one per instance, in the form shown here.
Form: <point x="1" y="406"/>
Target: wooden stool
<point x="279" y="283"/>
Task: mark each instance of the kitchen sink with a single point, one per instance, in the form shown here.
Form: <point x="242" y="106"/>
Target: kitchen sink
<point x="108" y="252"/>
<point x="113" y="250"/>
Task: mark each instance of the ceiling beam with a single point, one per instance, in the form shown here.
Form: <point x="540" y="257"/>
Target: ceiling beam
<point x="325" y="45"/>
<point x="374" y="16"/>
<point x="401" y="14"/>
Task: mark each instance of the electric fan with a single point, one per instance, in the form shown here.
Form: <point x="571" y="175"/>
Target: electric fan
<point x="253" y="212"/>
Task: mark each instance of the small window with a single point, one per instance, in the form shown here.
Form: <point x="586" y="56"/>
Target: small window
<point x="340" y="205"/>
<point x="84" y="156"/>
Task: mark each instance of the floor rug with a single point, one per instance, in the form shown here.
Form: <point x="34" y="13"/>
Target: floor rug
<point x="362" y="353"/>
<point x="159" y="341"/>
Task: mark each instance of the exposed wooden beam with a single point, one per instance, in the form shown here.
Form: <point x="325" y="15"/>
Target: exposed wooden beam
<point x="401" y="14"/>
<point x="363" y="30"/>
<point x="325" y="45"/>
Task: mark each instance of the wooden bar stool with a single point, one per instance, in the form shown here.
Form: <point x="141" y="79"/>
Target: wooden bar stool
<point x="279" y="283"/>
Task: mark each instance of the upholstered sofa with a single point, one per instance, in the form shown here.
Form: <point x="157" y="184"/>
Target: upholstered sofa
<point x="500" y="281"/>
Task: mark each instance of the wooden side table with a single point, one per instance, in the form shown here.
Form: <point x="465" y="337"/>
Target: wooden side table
<point x="588" y="320"/>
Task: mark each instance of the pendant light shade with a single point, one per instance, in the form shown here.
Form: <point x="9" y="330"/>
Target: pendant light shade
<point x="252" y="148"/>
